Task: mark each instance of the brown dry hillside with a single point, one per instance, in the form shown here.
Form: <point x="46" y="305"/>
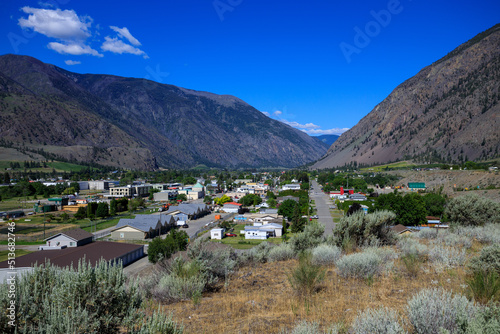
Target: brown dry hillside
<point x="449" y="111"/>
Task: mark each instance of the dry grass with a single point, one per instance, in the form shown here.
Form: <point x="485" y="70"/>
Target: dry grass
<point x="259" y="299"/>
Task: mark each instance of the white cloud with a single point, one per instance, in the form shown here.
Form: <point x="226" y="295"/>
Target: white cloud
<point x="300" y="126"/>
<point x="72" y="62"/>
<point x="124" y="33"/>
<point x="73" y="49"/>
<point x="334" y="131"/>
<point x="56" y="23"/>
<point x="277" y="113"/>
<point x="116" y="45"/>
<point x="266" y="113"/>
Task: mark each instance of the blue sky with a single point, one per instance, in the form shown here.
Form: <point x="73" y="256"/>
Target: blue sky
<point x="319" y="66"/>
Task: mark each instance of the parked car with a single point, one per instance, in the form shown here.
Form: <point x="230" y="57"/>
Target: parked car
<point x="231" y="235"/>
<point x="185" y="226"/>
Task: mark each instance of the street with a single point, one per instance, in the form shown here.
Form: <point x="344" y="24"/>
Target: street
<point x="323" y="203"/>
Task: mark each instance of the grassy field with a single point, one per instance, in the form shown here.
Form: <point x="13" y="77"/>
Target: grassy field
<point x="19" y="252"/>
<point x="15" y="203"/>
<point x="380" y="168"/>
<point x="65" y="166"/>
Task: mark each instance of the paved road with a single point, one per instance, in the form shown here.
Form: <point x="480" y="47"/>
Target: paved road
<point x="323" y="203"/>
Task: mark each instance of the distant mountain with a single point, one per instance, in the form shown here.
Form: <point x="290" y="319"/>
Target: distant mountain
<point x="449" y="111"/>
<point x="328" y="140"/>
<point x="136" y="123"/>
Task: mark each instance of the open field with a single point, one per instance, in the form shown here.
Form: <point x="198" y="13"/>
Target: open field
<point x="260" y="299"/>
<point x="395" y="165"/>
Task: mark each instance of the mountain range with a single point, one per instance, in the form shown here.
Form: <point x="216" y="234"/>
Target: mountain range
<point x="137" y="123"/>
<point x="448" y="112"/>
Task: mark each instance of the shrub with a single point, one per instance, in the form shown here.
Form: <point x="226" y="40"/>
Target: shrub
<point x="484" y="286"/>
<point x="311" y="237"/>
<point x="455" y="240"/>
<point x="304" y="327"/>
<point x="359" y="265"/>
<point x="412" y="263"/>
<point x="379" y="321"/>
<point x="360" y="229"/>
<point x="325" y="254"/>
<point x="488" y="260"/>
<point x="159" y="322"/>
<point x="447" y="257"/>
<point x="473" y="210"/>
<point x="487" y="321"/>
<point x="410" y="246"/>
<point x="74" y="300"/>
<point x="307" y="276"/>
<point x="260" y="253"/>
<point x="433" y="310"/>
<point x="489" y="233"/>
<point x="282" y="252"/>
<point x="427" y="233"/>
<point x="175" y="288"/>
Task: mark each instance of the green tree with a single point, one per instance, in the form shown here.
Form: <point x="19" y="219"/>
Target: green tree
<point x="113" y="207"/>
<point x="286" y="209"/>
<point x="222" y="200"/>
<point x="81" y="213"/>
<point x="250" y="199"/>
<point x="182" y="197"/>
<point x="298" y="223"/>
<point x="353" y="208"/>
<point x="164" y="248"/>
<point x="75" y="186"/>
<point x="434" y="204"/>
<point x="102" y="210"/>
<point x="6" y="178"/>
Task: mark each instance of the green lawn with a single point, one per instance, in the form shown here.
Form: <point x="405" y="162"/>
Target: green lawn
<point x="380" y="168"/>
<point x="23" y="243"/>
<point x="65" y="166"/>
<point x="19" y="252"/>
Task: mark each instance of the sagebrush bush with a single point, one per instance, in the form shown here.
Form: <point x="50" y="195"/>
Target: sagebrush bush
<point x="433" y="310"/>
<point x="455" y="240"/>
<point x="311" y="237"/>
<point x="325" y="254"/>
<point x="488" y="260"/>
<point x="378" y="321"/>
<point x="489" y="233"/>
<point x="411" y="247"/>
<point x="303" y="327"/>
<point x="360" y="230"/>
<point x="282" y="252"/>
<point x="360" y="265"/>
<point x="75" y="300"/>
<point x="217" y="261"/>
<point x="472" y="210"/>
<point x="260" y="253"/>
<point x="172" y="287"/>
<point x="427" y="233"/>
<point x="447" y="257"/>
<point x="486" y="321"/>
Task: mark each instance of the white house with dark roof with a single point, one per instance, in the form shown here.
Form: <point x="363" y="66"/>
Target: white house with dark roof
<point x="70" y="238"/>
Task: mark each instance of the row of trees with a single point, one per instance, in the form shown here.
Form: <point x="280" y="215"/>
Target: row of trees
<point x="25" y="188"/>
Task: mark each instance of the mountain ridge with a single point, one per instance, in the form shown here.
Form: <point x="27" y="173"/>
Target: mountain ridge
<point x="447" y="112"/>
<point x="164" y="125"/>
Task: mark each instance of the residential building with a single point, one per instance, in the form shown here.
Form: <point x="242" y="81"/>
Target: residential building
<point x="217" y="233"/>
<point x="232" y="207"/>
<point x="71" y="238"/>
<point x="292" y="186"/>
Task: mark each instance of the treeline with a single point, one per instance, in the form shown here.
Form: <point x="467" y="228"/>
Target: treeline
<point x="25" y="188"/>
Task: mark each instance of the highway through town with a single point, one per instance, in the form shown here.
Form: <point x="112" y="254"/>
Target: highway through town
<point x="323" y="203"/>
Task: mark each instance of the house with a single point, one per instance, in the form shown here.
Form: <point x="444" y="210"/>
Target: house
<point x="71" y="238"/>
<point x="401" y="229"/>
<point x="357" y="197"/>
<point x="292" y="186"/>
<point x="217" y="233"/>
<point x="268" y="211"/>
<point x="142" y="227"/>
<point x="255" y="233"/>
<point x="232" y="207"/>
<point x="192" y="210"/>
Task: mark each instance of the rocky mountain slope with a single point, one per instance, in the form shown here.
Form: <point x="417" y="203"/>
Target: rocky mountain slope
<point x="449" y="111"/>
<point x="136" y="123"/>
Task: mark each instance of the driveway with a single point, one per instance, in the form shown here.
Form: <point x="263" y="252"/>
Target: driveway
<point x="323" y="203"/>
